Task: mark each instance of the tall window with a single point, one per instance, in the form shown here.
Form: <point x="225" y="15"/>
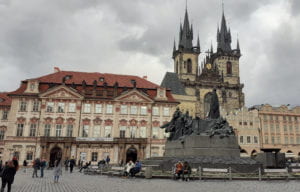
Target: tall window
<point x="229" y="68"/>
<point x="47" y="130"/>
<point x="166" y="111"/>
<point x="94" y="156"/>
<point x="189" y="66"/>
<point x="122" y="131"/>
<point x="32" y="130"/>
<point x="35" y="106"/>
<point x="85" y="130"/>
<point x="124" y="109"/>
<point x="29" y="156"/>
<point x="107" y="131"/>
<point x="58" y="130"/>
<point x="61" y="107"/>
<point x="20" y="128"/>
<point x="241" y="139"/>
<point x="143" y="110"/>
<point x="96" y="131"/>
<point x="98" y="108"/>
<point x="4" y="115"/>
<point x="143" y="132"/>
<point x="266" y="139"/>
<point x="109" y="109"/>
<point x="277" y="140"/>
<point x="23" y="105"/>
<point x="277" y="128"/>
<point x="272" y="139"/>
<point x="87" y="108"/>
<point x="72" y="107"/>
<point x="255" y="139"/>
<point x="50" y="107"/>
<point x="248" y="139"/>
<point x="286" y="140"/>
<point x="292" y="140"/>
<point x="155" y="132"/>
<point x="132" y="131"/>
<point x="2" y="133"/>
<point x="69" y="130"/>
<point x="285" y="128"/>
<point x="133" y="110"/>
<point x="155" y="111"/>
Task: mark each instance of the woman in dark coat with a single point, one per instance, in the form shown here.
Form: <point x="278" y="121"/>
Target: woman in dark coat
<point x="8" y="176"/>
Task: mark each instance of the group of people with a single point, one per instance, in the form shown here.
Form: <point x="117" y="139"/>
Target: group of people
<point x="8" y="172"/>
<point x="182" y="170"/>
<point x="132" y="168"/>
<point x="70" y="163"/>
<point x="37" y="164"/>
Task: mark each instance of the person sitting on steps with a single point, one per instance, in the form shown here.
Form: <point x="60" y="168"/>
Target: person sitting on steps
<point x="136" y="169"/>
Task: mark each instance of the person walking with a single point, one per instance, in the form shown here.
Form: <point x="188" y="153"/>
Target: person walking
<point x="57" y="170"/>
<point x="107" y="160"/>
<point x="25" y="165"/>
<point x="36" y="166"/>
<point x="8" y="175"/>
<point x="66" y="164"/>
<point x="42" y="167"/>
<point x="72" y="164"/>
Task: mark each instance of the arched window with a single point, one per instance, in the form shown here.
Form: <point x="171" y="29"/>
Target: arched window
<point x="229" y="68"/>
<point x="189" y="66"/>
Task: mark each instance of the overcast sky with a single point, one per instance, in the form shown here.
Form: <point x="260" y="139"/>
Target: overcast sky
<point x="136" y="37"/>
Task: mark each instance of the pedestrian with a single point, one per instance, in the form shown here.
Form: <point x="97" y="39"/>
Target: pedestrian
<point x="16" y="163"/>
<point x="57" y="170"/>
<point x="25" y="165"/>
<point x="107" y="160"/>
<point x="66" y="164"/>
<point x="137" y="168"/>
<point x="8" y="175"/>
<point x="42" y="167"/>
<point x="36" y="167"/>
<point x="72" y="164"/>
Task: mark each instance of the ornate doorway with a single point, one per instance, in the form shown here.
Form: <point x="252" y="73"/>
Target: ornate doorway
<point x="55" y="153"/>
<point x="131" y="154"/>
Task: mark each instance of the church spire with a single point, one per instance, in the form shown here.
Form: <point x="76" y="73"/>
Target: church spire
<point x="186" y="33"/>
<point x="224" y="35"/>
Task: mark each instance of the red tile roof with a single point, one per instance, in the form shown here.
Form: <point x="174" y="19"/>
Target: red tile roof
<point x="4" y="99"/>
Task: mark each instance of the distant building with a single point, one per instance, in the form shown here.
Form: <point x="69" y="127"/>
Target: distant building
<point x="85" y="115"/>
<point x="191" y="83"/>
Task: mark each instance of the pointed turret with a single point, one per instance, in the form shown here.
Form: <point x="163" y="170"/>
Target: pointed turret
<point x="211" y="48"/>
<point x="238" y="45"/>
<point x="224" y="36"/>
<point x="186" y="34"/>
<point x="174" y="49"/>
<point x="198" y="43"/>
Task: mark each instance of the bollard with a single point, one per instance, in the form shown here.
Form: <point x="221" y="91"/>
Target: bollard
<point x="148" y="172"/>
<point x="230" y="173"/>
<point x="259" y="174"/>
<point x="200" y="173"/>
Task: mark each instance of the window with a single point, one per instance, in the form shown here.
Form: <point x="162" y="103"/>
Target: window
<point x="47" y="130"/>
<point x="245" y="123"/>
<point x="58" y="130"/>
<point x="277" y="128"/>
<point x="271" y="117"/>
<point x="241" y="138"/>
<point x="20" y="128"/>
<point x="284" y="118"/>
<point x="72" y="107"/>
<point x="229" y="68"/>
<point x="143" y="132"/>
<point x="35" y="106"/>
<point x="17" y="154"/>
<point x="4" y="115"/>
<point x="296" y="119"/>
<point x="286" y="140"/>
<point x="2" y="133"/>
<point x="255" y="139"/>
<point x="143" y="110"/>
<point x="122" y="131"/>
<point x="290" y="118"/>
<point x="272" y="128"/>
<point x="23" y="105"/>
<point x="155" y="111"/>
<point x="285" y="128"/>
<point x="155" y="132"/>
<point x="132" y="131"/>
<point x="273" y="140"/>
<point x="87" y="108"/>
<point x="266" y="139"/>
<point x="109" y="109"/>
<point x="265" y="117"/>
<point x="32" y="130"/>
<point x="277" y="140"/>
<point x="251" y="124"/>
<point x="166" y="111"/>
<point x="124" y="109"/>
<point x="297" y="128"/>
<point x="292" y="140"/>
<point x="50" y="107"/>
<point x="29" y="156"/>
<point x="291" y="128"/>
<point x="107" y="131"/>
<point x="94" y="156"/>
<point x="189" y="66"/>
<point x="61" y="107"/>
<point x="98" y="108"/>
<point x="133" y="110"/>
<point x="248" y="139"/>
<point x="96" y="131"/>
<point x="298" y="140"/>
<point x="69" y="130"/>
<point x="85" y="130"/>
<point x="241" y="123"/>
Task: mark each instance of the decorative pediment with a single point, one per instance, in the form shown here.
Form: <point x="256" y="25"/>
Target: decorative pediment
<point x="134" y="96"/>
<point x="61" y="92"/>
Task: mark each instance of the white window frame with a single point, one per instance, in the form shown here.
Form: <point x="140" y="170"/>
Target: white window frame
<point x="143" y="132"/>
<point x="143" y="110"/>
<point x="47" y="130"/>
<point x="155" y="132"/>
<point x="70" y="128"/>
<point x="124" y="110"/>
<point x="50" y="107"/>
<point x="109" y="109"/>
<point x="107" y="131"/>
<point x="72" y="108"/>
<point x="166" y="111"/>
<point x="98" y="108"/>
<point x="58" y="130"/>
<point x="85" y="130"/>
<point x="87" y="108"/>
<point x="97" y="131"/>
<point x="155" y="111"/>
<point x="133" y="110"/>
<point x="60" y="107"/>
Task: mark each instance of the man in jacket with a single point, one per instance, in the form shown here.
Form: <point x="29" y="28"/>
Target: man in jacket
<point x="8" y="175"/>
<point x="36" y="166"/>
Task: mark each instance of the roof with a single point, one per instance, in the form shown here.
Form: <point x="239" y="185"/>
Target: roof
<point x="171" y="81"/>
<point x="4" y="99"/>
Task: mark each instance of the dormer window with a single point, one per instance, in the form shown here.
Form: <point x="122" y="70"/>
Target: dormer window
<point x="32" y="86"/>
<point x="101" y="79"/>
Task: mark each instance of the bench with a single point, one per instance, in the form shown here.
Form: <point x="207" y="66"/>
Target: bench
<point x="276" y="173"/>
<point x="214" y="173"/>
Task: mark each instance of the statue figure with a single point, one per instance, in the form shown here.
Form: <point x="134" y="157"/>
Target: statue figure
<point x="214" y="112"/>
<point x="173" y="126"/>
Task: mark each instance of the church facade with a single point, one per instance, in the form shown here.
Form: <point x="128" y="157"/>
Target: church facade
<point x="192" y="83"/>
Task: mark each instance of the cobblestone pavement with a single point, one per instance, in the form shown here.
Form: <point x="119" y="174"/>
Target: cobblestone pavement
<point x="78" y="182"/>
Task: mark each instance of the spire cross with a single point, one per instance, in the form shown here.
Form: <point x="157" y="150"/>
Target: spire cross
<point x="185" y="4"/>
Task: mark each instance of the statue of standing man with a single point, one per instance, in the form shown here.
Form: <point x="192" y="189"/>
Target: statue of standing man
<point x="214" y="112"/>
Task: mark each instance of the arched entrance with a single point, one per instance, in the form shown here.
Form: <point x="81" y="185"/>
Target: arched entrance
<point x="55" y="153"/>
<point x="243" y="153"/>
<point x="131" y="154"/>
<point x="207" y="101"/>
<point x="253" y="153"/>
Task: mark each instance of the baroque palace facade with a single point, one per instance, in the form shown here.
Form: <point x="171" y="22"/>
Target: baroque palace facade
<point x="86" y="116"/>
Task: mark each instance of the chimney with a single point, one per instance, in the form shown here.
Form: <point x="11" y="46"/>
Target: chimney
<point x="145" y="77"/>
<point x="56" y="69"/>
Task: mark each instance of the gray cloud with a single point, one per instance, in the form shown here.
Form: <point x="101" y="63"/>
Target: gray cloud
<point x="136" y="37"/>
